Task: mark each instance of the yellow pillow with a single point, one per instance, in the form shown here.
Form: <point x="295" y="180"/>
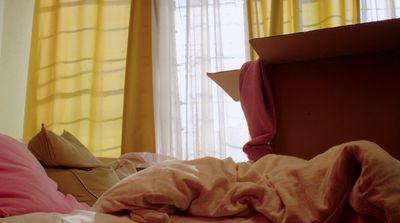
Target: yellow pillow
<point x="61" y="151"/>
<point x="88" y="185"/>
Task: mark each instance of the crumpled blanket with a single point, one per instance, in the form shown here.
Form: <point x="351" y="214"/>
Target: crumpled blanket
<point x="276" y="188"/>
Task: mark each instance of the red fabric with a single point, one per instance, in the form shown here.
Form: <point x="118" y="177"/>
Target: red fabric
<point x="258" y="107"/>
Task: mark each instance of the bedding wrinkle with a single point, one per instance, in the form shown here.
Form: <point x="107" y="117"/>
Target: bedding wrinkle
<point x="376" y="192"/>
<point x="276" y="188"/>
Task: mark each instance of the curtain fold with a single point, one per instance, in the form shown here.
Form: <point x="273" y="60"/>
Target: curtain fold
<point x="77" y="70"/>
<point x="165" y="80"/>
<point x="270" y="17"/>
<point x="138" y="132"/>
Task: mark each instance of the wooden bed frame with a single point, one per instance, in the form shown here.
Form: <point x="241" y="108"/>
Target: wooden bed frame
<point x="332" y="86"/>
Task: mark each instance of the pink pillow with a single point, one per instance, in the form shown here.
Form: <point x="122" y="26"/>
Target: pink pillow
<point x="25" y="187"/>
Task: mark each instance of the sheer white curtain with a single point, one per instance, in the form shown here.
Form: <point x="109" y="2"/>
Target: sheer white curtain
<point x="374" y="10"/>
<point x="194" y="117"/>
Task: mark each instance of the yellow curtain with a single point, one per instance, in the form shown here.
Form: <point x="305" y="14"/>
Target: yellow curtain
<point x="277" y="17"/>
<point x="138" y="123"/>
<point x="77" y="70"/>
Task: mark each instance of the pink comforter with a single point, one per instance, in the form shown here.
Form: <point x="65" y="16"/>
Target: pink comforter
<point x="276" y="188"/>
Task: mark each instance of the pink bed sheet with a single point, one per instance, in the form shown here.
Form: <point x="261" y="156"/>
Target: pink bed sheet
<point x="73" y="217"/>
<point x="276" y="188"/>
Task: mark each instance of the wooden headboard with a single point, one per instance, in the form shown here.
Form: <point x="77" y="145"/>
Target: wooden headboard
<point x="335" y="85"/>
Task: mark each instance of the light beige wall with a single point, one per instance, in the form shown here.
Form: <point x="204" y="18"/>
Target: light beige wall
<point x="15" y="34"/>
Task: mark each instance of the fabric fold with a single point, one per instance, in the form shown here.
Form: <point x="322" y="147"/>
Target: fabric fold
<point x="258" y="107"/>
<point x="357" y="175"/>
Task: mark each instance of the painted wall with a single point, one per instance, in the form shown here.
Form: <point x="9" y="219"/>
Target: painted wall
<point x="15" y="34"/>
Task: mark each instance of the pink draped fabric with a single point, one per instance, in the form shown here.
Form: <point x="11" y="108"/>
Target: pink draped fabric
<point x="258" y="107"/>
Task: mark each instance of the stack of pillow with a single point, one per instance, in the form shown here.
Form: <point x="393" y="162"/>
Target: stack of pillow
<point x="74" y="168"/>
<point x="56" y="174"/>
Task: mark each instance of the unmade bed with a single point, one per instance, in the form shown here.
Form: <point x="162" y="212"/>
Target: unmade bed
<point x="335" y="144"/>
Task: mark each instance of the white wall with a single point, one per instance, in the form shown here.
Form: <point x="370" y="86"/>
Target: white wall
<point x="15" y="42"/>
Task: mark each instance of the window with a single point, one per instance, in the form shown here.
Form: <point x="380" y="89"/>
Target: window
<point x="372" y="10"/>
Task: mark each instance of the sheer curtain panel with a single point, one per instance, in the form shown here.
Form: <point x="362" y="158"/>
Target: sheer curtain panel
<point x="372" y="10"/>
<point x="195" y="118"/>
